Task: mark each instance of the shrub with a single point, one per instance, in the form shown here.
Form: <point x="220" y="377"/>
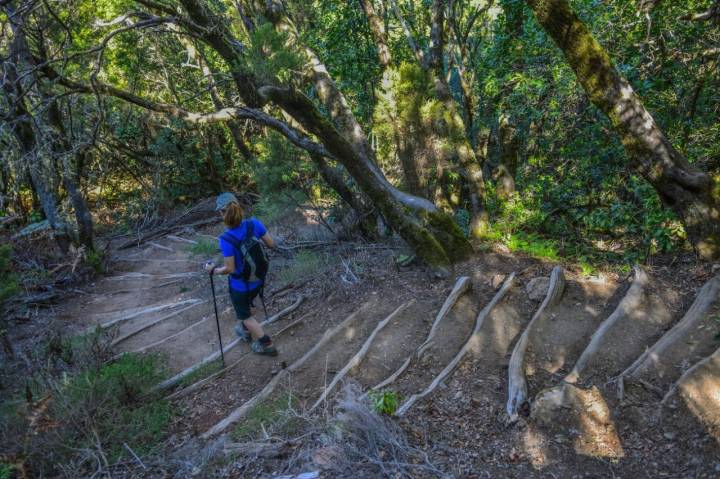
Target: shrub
<point x="8" y="280"/>
<point x="385" y="402"/>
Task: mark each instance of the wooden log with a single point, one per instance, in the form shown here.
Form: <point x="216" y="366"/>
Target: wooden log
<point x="360" y="355"/>
<point x="473" y="340"/>
<point x="461" y="285"/>
<point x="517" y="386"/>
<point x="697" y="312"/>
<point x="629" y="303"/>
<point x="240" y="412"/>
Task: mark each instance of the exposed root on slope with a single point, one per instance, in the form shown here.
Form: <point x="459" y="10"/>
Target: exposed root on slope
<point x="472" y="341"/>
<point x="632" y="301"/>
<point x="215" y="355"/>
<point x="240" y="412"/>
<point x="653" y="356"/>
<point x="517" y="386"/>
<point x="154" y="322"/>
<point x="360" y="355"/>
<point x="462" y="285"/>
<point x="199" y="384"/>
<point x="143" y="311"/>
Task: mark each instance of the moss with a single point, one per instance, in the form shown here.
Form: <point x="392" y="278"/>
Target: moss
<point x="456" y="245"/>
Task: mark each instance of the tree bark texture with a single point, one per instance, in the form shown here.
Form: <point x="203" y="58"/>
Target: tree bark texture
<point x="692" y="194"/>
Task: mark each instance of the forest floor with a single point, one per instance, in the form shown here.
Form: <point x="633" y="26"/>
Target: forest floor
<point x="158" y="300"/>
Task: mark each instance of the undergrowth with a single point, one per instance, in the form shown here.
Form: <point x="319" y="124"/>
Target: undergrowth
<point x="204" y="247"/>
<point x="82" y="414"/>
<point x="305" y="264"/>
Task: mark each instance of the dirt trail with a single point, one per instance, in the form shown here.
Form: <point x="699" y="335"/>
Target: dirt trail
<point x="162" y="292"/>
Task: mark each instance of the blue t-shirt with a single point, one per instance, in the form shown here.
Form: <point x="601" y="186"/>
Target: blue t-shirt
<point x="240" y="233"/>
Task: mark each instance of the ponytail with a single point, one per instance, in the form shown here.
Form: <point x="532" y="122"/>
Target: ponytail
<point x="233" y="215"/>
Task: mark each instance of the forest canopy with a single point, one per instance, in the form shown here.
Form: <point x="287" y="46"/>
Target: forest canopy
<point x="575" y="128"/>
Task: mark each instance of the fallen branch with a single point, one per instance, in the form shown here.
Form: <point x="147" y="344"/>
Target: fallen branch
<point x="360" y="355"/>
<point x="517" y="386"/>
<point x="153" y="323"/>
<point x="630" y="302"/>
<point x="240" y="412"/>
<point x="697" y="312"/>
<point x="461" y="285"/>
<point x="473" y="340"/>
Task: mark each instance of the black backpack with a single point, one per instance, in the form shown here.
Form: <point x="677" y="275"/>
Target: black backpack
<point x="250" y="254"/>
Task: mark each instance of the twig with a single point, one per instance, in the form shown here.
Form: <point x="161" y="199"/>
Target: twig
<point x="134" y="455"/>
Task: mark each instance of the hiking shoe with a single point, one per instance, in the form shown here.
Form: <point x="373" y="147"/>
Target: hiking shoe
<point x="266" y="349"/>
<point x="243" y="333"/>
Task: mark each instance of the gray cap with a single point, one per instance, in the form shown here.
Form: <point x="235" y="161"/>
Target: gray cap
<point x="225" y="199"/>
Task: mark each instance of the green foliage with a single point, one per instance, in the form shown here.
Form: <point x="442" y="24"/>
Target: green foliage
<point x="204" y="247"/>
<point x="384" y="402"/>
<point x="8" y="280"/>
<point x="269" y="57"/>
<point x="533" y="245"/>
<point x="96" y="260"/>
<point x="304" y="265"/>
<point x="113" y="398"/>
<point x="269" y="412"/>
<point x="6" y="471"/>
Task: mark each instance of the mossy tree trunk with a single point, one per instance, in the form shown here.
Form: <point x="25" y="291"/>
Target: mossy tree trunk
<point x="692" y="194"/>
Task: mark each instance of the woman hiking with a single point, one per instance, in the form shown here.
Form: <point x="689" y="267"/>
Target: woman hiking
<point x="239" y="233"/>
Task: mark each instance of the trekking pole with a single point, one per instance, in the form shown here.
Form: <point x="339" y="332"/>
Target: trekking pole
<point x="217" y="319"/>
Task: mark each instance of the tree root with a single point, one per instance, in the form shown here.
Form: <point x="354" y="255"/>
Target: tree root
<point x="181" y="240"/>
<point x="697" y="312"/>
<point x="208" y="359"/>
<point x="135" y="275"/>
<point x="472" y="341"/>
<point x="360" y="355"/>
<point x="461" y="285"/>
<point x="143" y="311"/>
<point x="517" y="386"/>
<point x="285" y="311"/>
<point x="153" y="323"/>
<point x="269" y="388"/>
<point x="198" y="385"/>
<point x="630" y="302"/>
<point x="708" y="361"/>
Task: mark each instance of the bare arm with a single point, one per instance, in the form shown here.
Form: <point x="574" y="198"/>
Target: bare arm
<point x="228" y="268"/>
<point x="267" y="239"/>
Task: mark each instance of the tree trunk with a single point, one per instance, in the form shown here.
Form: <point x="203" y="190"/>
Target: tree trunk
<point x="24" y="132"/>
<point x="692" y="194"/>
<point x="437" y="239"/>
<point x="505" y="174"/>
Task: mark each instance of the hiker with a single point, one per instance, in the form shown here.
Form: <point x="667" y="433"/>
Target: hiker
<point x="242" y="236"/>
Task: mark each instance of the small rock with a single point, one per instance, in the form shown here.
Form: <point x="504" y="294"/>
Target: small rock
<point x="497" y="280"/>
<point x="669" y="436"/>
<point x="537" y="288"/>
<point x="717" y="467"/>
